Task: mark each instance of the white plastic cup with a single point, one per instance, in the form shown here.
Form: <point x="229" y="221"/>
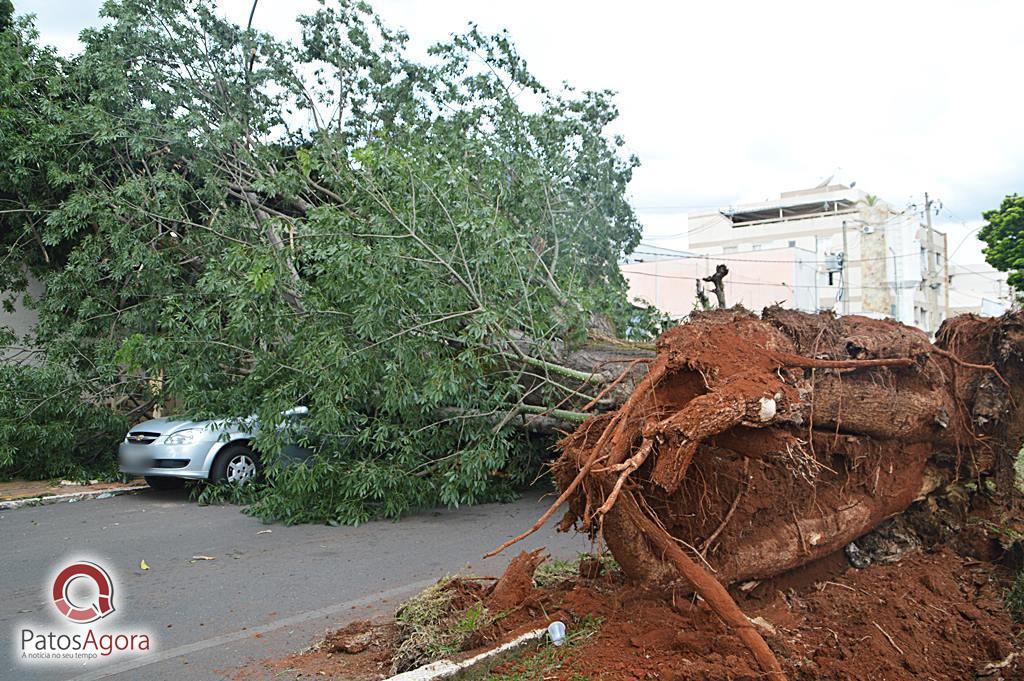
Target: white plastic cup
<point x="556" y="630"/>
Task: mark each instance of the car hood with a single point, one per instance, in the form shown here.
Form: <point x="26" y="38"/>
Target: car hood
<point x="168" y="425"/>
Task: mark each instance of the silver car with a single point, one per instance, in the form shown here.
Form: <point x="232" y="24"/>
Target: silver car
<point x="169" y="451"/>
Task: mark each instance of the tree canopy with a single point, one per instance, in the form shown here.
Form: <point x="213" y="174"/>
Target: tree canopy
<point x="235" y="225"/>
<point x="1003" y="235"/>
<point x="6" y="14"/>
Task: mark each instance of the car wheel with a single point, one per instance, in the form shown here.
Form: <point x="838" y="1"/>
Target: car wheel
<point x="162" y="482"/>
<point x="236" y="464"/>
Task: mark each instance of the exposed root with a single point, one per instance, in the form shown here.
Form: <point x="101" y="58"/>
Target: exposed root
<point x="626" y="469"/>
<point x="611" y="386"/>
<point x="840" y="415"/>
<point x="554" y="507"/>
<point x="708" y="588"/>
<point x="744" y="485"/>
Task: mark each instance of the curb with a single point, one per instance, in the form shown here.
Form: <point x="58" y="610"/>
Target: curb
<point x="69" y="498"/>
<point x="446" y="669"/>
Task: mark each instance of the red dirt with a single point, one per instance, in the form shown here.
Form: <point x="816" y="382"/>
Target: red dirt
<point x="943" y="612"/>
<point x="516" y="586"/>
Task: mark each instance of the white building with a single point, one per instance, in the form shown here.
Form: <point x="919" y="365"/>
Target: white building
<point x="978" y="288"/>
<point x="871" y="258"/>
<point x="667" y="278"/>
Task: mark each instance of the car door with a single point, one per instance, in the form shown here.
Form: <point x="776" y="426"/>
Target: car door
<point x="294" y="424"/>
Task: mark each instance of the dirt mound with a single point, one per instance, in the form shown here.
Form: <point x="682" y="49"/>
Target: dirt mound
<point x="927" y="615"/>
<point x="515" y="586"/>
<point x="931" y="615"/>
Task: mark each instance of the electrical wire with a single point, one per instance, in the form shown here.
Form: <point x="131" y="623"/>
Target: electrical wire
<point x="740" y="281"/>
<point x="679" y="255"/>
<point x="820" y="287"/>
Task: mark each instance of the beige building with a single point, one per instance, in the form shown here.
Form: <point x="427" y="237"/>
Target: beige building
<point x="869" y="257"/>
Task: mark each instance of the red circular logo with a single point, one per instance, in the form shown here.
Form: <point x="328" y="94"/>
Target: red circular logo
<point x="82" y="614"/>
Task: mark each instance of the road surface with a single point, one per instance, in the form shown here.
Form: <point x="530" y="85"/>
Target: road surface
<point x="262" y="596"/>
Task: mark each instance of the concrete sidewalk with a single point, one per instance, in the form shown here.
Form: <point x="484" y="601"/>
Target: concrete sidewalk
<point x="18" y="493"/>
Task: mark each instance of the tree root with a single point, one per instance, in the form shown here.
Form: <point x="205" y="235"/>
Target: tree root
<point x="707" y="587"/>
<point x="594" y="458"/>
<point x="626" y="469"/>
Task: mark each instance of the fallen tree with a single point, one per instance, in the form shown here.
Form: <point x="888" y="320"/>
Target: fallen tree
<point x="755" y="445"/>
<point x="412" y="248"/>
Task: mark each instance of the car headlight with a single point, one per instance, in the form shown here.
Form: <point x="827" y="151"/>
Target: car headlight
<point x="182" y="437"/>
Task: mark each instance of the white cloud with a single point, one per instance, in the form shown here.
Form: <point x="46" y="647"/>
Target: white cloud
<point x="732" y="101"/>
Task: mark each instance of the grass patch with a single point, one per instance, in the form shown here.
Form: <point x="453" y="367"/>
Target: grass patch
<point x="542" y="663"/>
<point x="1018" y="470"/>
<point x="554" y="572"/>
<point x="1013" y="599"/>
<point x="432" y="625"/>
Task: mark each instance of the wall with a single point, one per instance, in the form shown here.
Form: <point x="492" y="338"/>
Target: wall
<point x="670" y="283"/>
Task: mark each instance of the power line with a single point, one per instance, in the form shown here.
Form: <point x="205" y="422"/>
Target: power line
<point x="983" y="275"/>
<point x="964" y="240"/>
<point x="819" y="287"/>
<point x="679" y="255"/>
<point x="749" y="283"/>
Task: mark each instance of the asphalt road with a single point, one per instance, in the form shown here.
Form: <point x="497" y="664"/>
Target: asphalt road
<point x="262" y="596"/>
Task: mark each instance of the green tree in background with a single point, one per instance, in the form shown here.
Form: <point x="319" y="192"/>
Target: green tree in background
<point x="240" y="225"/>
<point x="6" y="14"/>
<point x="1004" y="238"/>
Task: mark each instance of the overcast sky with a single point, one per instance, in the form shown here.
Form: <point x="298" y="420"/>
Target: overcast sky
<point x="726" y="102"/>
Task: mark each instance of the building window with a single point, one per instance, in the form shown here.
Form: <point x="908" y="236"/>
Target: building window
<point x="792" y="243"/>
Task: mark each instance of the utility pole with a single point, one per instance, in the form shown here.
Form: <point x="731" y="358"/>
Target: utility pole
<point x="931" y="289"/>
<point x="846" y="273"/>
<point x="945" y="271"/>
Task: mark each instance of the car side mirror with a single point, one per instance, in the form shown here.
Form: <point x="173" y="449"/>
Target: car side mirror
<point x="295" y="411"/>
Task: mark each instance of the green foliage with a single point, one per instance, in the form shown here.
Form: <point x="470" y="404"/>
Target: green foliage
<point x="1003" y="235"/>
<point x="215" y="494"/>
<point x="49" y="430"/>
<point x="332" y="489"/>
<point x="6" y="14"/>
<point x="1014" y="599"/>
<point x="236" y="225"/>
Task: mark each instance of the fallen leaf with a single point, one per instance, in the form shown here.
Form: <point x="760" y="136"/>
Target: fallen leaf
<point x="143" y="565"/>
<point x="195" y="558"/>
<point x="264" y="532"/>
